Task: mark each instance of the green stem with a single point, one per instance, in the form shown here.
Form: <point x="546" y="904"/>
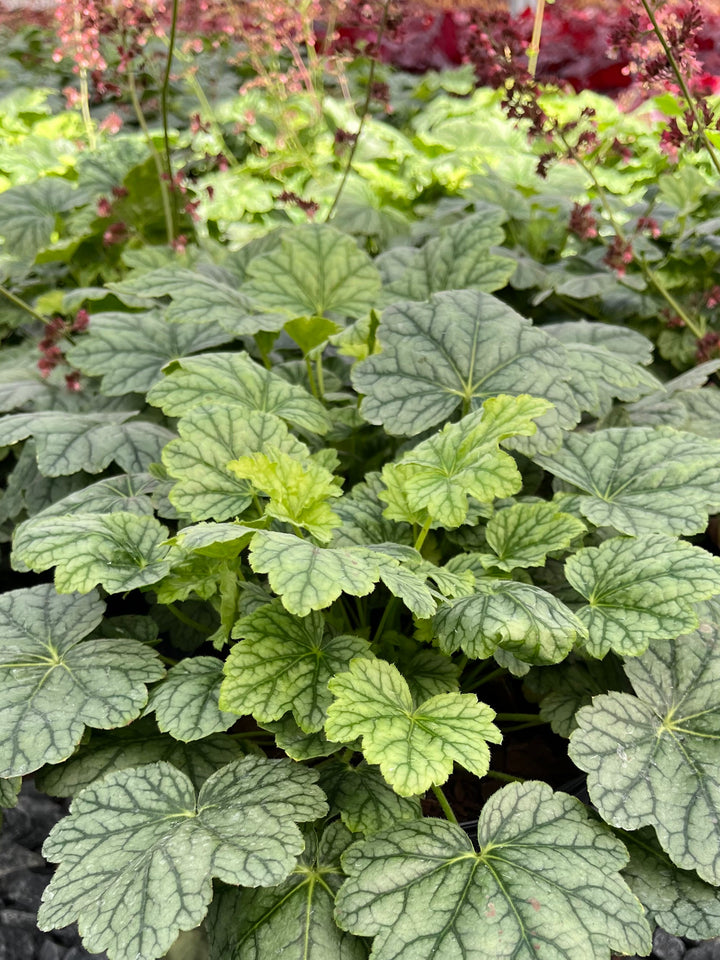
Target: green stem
<point x="164" y="188"/>
<point x="311" y="378"/>
<point x="320" y="377"/>
<point x="387" y="613"/>
<point x="16" y="301"/>
<point x="423" y="534"/>
<point x="520" y="717"/>
<point x="444" y="804"/>
<point x="534" y="48"/>
<point x="85" y="109"/>
<point x="504" y="777"/>
<point x="682" y="83"/>
<point x="476" y="679"/>
<point x="365" y="110"/>
<point x="188" y="621"/>
<point x="164" y="108"/>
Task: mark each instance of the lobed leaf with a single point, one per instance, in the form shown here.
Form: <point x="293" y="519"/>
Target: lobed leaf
<point x="363" y="798"/>
<point x="54" y="680"/>
<point x="186" y="702"/>
<point x="523" y="534"/>
<point x="415" y="746"/>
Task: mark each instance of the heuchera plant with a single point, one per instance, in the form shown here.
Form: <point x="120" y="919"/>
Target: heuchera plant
<point x="310" y="541"/>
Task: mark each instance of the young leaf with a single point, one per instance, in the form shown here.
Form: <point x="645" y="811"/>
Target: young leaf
<point x="653" y="759"/>
<point x="436" y="477"/>
<point x="236" y="379"/>
<point x="210" y="436"/>
<point x="315" y="270"/>
<point x="677" y="900"/>
<point x="459" y="349"/>
<point x="546" y="876"/>
<point x="186" y="702"/>
<point x="54" y="681"/>
<point x="524" y="534"/>
<point x="151" y="846"/>
<point x="524" y="620"/>
<point x="640" y="590"/>
<point x="308" y="577"/>
<point x="69" y="442"/>
<point x="120" y="551"/>
<point x="294" y="919"/>
<point x="639" y="480"/>
<point x="298" y="487"/>
<point x="459" y="259"/>
<point x="415" y="746"/>
<point x="284" y="663"/>
<point x="221" y="540"/>
<point x="363" y="799"/>
<point x="129" y="350"/>
<point x="134" y="746"/>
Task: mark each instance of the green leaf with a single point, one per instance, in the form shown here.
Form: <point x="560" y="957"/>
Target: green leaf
<point x="29" y="215"/>
<point x="524" y="620"/>
<point x="298" y="487"/>
<point x="363" y="799"/>
<point x="545" y="881"/>
<point x="654" y="759"/>
<point x="525" y="533"/>
<point x="139" y="849"/>
<point x="223" y="540"/>
<point x="283" y="663"/>
<point x="458" y="259"/>
<point x="129" y="350"/>
<point x="186" y="702"/>
<point x="415" y="746"/>
<point x="128" y="492"/>
<point x="311" y="332"/>
<point x="308" y="577"/>
<point x="54" y="681"/>
<point x="69" y="442"/>
<point x="457" y="350"/>
<point x="120" y="551"/>
<point x="677" y="900"/>
<point x="362" y="515"/>
<point x="236" y="379"/>
<point x="211" y="435"/>
<point x="640" y="590"/>
<point x="9" y="790"/>
<point x="199" y="298"/>
<point x="605" y="362"/>
<point x="639" y="480"/>
<point x="297" y="744"/>
<point x="294" y="919"/>
<point x="435" y="478"/>
<point x="429" y="673"/>
<point x="315" y="270"/>
<point x="134" y="746"/>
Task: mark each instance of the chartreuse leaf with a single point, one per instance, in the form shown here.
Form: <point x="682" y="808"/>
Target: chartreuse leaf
<point x="129" y="350"/>
<point x="211" y="435"/>
<point x="415" y="746"/>
<point x="435" y="478"/>
<point x="459" y="259"/>
<point x="139" y="850"/>
<point x="364" y="800"/>
<point x="134" y="746"/>
<point x="283" y="663"/>
<point x="9" y="790"/>
<point x="605" y="362"/>
<point x="186" y="702"/>
<point x="640" y="590"/>
<point x="544" y="882"/>
<point x="120" y="551"/>
<point x="298" y="488"/>
<point x="236" y="379"/>
<point x="198" y="298"/>
<point x="456" y="351"/>
<point x="525" y="533"/>
<point x="294" y="919"/>
<point x="639" y="480"/>
<point x="524" y="620"/>
<point x="677" y="900"/>
<point x="54" y="682"/>
<point x="315" y="270"/>
<point x="69" y="442"/>
<point x="654" y="758"/>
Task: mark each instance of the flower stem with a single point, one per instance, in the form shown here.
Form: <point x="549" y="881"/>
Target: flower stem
<point x="164" y="109"/>
<point x="444" y="804"/>
<point x="504" y="777"/>
<point x="21" y="305"/>
<point x="85" y="108"/>
<point x="534" y="48"/>
<point x="164" y="190"/>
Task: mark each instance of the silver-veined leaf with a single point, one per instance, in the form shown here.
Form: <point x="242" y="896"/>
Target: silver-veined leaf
<point x="364" y="799"/>
<point x="185" y="704"/>
<point x="523" y="534"/>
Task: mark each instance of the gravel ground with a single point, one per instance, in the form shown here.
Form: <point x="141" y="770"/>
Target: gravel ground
<point x="24" y="875"/>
